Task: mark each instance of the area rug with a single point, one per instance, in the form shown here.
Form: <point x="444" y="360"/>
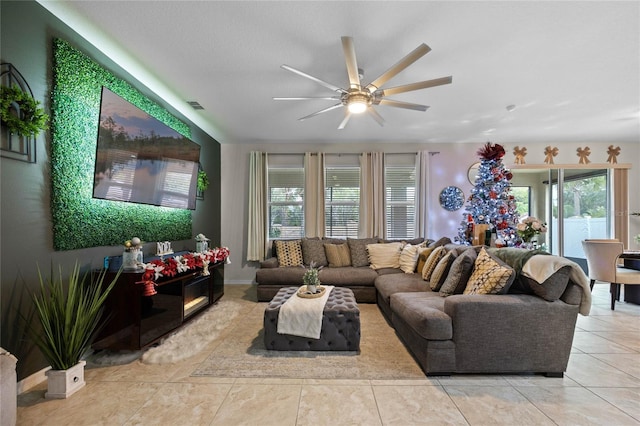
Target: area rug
<point x="186" y="342"/>
<point x="241" y="353"/>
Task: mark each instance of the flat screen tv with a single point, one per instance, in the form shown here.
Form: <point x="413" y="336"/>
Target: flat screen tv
<point x="141" y="160"/>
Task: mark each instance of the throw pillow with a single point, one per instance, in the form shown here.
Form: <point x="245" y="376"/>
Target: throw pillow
<point x="358" y="249"/>
<point x="441" y="271"/>
<point x="384" y="255"/>
<point x="489" y="276"/>
<point x="459" y="273"/>
<point x="413" y="242"/>
<point x="552" y="288"/>
<point x="289" y="252"/>
<point x="409" y="258"/>
<point x="338" y="255"/>
<point x="435" y="256"/>
<point x="313" y="251"/>
<point x="423" y="255"/>
<point x="441" y="242"/>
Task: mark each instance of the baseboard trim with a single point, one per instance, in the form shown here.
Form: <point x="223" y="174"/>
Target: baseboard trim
<point x="234" y="282"/>
<point x="32" y="380"/>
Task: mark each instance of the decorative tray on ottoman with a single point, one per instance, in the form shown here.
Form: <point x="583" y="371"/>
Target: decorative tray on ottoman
<point x="304" y="293"/>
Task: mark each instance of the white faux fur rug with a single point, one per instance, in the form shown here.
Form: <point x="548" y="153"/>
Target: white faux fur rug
<point x="184" y="343"/>
<point x="195" y="335"/>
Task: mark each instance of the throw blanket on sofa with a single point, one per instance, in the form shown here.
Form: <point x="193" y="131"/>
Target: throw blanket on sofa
<point x="303" y="317"/>
<point x="540" y="268"/>
<point x="515" y="257"/>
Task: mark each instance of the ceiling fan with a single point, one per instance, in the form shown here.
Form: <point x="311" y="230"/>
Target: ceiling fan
<point x="359" y="98"/>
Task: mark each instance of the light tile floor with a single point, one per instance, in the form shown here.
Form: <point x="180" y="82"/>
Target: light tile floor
<point x="601" y="387"/>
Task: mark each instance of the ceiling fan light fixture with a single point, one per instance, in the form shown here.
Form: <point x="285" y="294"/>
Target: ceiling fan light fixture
<point x="357" y="103"/>
<point x="358" y="98"/>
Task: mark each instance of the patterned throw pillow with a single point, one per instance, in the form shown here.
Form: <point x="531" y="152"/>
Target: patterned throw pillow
<point x="409" y="258"/>
<point x="289" y="252"/>
<point x="423" y="255"/>
<point x="459" y="273"/>
<point x="384" y="255"/>
<point x="313" y="251"/>
<point x="358" y="249"/>
<point x="489" y="277"/>
<point x="441" y="271"/>
<point x="338" y="255"/>
<point x="435" y="256"/>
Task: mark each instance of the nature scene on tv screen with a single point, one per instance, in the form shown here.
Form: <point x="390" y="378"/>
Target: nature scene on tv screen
<point x="141" y="160"/>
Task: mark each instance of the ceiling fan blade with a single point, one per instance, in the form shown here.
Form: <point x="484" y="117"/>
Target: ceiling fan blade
<point x="344" y="122"/>
<point x="320" y="112"/>
<point x="400" y="104"/>
<point x="416" y="86"/>
<point x="376" y="116"/>
<point x="310" y="77"/>
<point x="332" y="98"/>
<point x="352" y="63"/>
<point x="403" y="63"/>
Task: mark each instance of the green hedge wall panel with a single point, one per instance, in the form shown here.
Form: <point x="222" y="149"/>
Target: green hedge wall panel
<point x="80" y="221"/>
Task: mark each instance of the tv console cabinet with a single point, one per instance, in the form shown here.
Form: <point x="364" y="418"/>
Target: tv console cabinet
<point x="133" y="321"/>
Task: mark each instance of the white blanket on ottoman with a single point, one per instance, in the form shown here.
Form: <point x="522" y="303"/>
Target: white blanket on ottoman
<point x="302" y="317"/>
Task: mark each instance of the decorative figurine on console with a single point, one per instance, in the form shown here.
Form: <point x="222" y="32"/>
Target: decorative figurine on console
<point x="132" y="255"/>
<point x="163" y="248"/>
<point x="202" y="243"/>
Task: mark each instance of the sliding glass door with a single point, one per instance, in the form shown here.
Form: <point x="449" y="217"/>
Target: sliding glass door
<point x="580" y="207"/>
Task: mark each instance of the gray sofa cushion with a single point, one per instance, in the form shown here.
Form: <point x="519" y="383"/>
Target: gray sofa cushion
<point x="423" y="312"/>
<point x="348" y="276"/>
<point x="358" y="247"/>
<point x="341" y="277"/>
<point x="288" y="275"/>
<point x="387" y="271"/>
<point x="313" y="251"/>
<point x="399" y="283"/>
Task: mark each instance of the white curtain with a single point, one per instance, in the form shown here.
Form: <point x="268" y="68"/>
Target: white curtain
<point x="372" y="190"/>
<point x="257" y="240"/>
<point x="314" y="194"/>
<point x="422" y="194"/>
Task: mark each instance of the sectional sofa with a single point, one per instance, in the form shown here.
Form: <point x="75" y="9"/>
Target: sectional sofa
<point x="458" y="309"/>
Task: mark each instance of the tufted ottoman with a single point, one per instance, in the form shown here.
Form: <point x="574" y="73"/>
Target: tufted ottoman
<point x="340" y="324"/>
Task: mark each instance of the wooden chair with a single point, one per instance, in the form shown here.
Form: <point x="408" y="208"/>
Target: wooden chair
<point x="602" y="261"/>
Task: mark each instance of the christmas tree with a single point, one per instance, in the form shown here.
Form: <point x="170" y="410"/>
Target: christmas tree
<point x="491" y="201"/>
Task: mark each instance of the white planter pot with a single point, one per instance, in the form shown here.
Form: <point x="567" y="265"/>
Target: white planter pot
<point x="64" y="383"/>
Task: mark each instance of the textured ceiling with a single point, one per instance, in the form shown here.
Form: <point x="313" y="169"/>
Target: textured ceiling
<point x="572" y="69"/>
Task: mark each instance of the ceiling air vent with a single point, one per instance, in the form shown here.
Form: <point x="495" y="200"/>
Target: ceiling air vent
<point x="195" y="105"/>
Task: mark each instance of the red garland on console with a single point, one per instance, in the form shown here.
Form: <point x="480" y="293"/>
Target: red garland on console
<point x="173" y="266"/>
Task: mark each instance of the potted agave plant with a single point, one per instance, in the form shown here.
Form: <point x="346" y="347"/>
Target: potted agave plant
<point x="69" y="316"/>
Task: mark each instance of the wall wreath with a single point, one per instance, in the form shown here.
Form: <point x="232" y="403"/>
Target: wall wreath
<point x="20" y="113"/>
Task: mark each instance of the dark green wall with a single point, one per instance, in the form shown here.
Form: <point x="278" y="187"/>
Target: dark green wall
<point x="26" y="39"/>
